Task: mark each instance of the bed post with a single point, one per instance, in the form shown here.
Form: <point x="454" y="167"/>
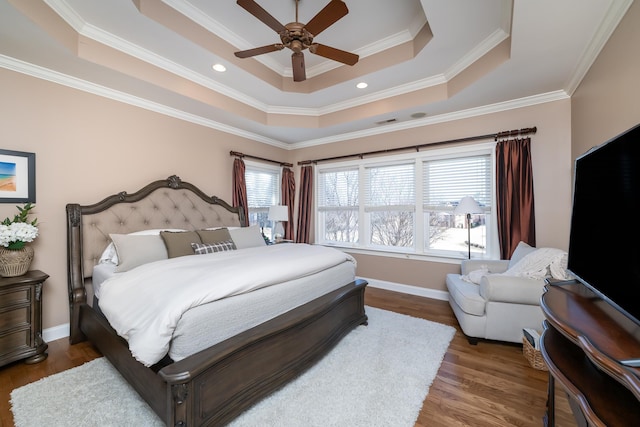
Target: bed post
<point x="75" y="276"/>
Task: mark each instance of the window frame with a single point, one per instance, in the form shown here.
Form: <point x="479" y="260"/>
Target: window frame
<point x="418" y="158"/>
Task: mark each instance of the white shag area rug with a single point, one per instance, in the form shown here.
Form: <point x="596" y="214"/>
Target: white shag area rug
<point x="378" y="375"/>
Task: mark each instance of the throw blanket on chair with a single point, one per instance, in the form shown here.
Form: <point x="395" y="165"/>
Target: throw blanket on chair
<point x="541" y="263"/>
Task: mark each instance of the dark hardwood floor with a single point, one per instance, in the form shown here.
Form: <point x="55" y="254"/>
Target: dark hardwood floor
<point x="489" y="384"/>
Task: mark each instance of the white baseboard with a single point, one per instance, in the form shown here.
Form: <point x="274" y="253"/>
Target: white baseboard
<point x="56" y="332"/>
<point x="408" y="289"/>
<point x="62" y="331"/>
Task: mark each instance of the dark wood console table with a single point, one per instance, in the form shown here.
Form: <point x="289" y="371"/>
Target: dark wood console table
<point x="583" y="341"/>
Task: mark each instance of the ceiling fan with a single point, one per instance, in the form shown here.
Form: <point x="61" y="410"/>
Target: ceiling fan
<point x="298" y="37"/>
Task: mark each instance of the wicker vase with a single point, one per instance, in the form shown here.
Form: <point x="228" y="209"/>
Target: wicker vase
<point x="15" y="262"/>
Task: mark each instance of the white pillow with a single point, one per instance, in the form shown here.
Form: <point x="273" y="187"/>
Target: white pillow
<point x="522" y="250"/>
<point x="247" y="237"/>
<point x="110" y="254"/>
<point x="135" y="250"/>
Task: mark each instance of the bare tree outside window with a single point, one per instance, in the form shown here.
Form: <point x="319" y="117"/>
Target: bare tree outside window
<point x="392" y="228"/>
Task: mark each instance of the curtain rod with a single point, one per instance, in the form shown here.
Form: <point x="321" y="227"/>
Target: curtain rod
<point x="495" y="136"/>
<point x="235" y="153"/>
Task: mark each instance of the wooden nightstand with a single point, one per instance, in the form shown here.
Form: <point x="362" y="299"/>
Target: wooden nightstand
<point x="21" y="318"/>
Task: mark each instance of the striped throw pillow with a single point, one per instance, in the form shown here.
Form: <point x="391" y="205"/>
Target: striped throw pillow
<point x="209" y="248"/>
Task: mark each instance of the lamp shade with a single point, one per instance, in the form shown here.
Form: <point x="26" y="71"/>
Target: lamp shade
<point x="467" y="205"/>
<point x="278" y="213"/>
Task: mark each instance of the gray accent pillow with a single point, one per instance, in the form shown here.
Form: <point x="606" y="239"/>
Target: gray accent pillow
<point x="135" y="250"/>
<point x="179" y="243"/>
<point x="214" y="236"/>
<point x="247" y="237"/>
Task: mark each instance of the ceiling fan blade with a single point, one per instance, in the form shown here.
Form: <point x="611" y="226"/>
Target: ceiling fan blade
<point x="333" y="53"/>
<point x="256" y="10"/>
<point x="331" y="13"/>
<point x="297" y="63"/>
<point x="259" y="50"/>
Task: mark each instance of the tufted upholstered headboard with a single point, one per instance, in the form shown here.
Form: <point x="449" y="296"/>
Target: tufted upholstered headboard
<point x="169" y="203"/>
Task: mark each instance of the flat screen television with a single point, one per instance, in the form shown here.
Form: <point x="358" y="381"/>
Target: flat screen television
<point x="604" y="244"/>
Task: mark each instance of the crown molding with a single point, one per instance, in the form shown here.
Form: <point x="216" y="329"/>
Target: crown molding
<point x="83" y="85"/>
<point x="105" y="92"/>
<point x="614" y="15"/>
<point x="441" y="118"/>
<point x="67" y="13"/>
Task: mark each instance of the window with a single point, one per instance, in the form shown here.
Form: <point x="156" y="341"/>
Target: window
<point x="338" y="206"/>
<point x="406" y="203"/>
<point x="263" y="190"/>
<point x="445" y="182"/>
<point x="390" y="205"/>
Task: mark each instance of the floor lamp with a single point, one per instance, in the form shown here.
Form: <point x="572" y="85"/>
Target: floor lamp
<point x="468" y="206"/>
<point x="277" y="214"/>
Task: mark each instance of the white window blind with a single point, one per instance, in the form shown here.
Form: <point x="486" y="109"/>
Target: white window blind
<point x="338" y="189"/>
<point x="390" y="186"/>
<point x="262" y="187"/>
<point x="447" y="181"/>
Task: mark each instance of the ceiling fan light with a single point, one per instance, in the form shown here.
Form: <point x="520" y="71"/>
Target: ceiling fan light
<point x="219" y="68"/>
<point x="362" y="85"/>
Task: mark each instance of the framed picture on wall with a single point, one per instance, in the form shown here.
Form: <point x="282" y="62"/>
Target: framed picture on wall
<point x="17" y="177"/>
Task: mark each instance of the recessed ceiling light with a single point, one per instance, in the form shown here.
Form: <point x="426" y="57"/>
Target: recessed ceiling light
<point x="219" y="68"/>
<point x="361" y="85"/>
<point x="418" y="115"/>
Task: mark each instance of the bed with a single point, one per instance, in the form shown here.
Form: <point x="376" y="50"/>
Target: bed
<point x="213" y="385"/>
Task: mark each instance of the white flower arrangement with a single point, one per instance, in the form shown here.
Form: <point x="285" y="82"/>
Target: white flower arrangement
<point x="14" y="233"/>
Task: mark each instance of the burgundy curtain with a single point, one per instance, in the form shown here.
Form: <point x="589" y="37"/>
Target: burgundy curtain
<point x="514" y="195"/>
<point x="288" y="197"/>
<point x="305" y="204"/>
<point x="240" y="189"/>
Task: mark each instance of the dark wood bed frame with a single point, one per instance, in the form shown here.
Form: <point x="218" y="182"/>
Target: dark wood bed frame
<point x="215" y="385"/>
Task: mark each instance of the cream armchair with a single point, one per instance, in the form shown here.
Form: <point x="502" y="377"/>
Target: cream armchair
<point x="497" y="307"/>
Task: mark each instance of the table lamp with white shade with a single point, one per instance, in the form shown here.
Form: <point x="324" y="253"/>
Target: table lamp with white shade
<point x="468" y="206"/>
<point x="277" y="214"/>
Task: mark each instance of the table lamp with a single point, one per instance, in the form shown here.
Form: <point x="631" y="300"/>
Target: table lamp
<point x="277" y="214"/>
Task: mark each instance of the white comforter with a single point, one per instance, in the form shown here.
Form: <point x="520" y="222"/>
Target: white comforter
<point x="145" y="304"/>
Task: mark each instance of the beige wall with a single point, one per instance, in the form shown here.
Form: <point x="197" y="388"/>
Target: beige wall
<point x="88" y="147"/>
<point x="607" y="102"/>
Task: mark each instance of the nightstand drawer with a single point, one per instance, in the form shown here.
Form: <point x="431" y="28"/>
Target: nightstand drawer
<point x="15" y="318"/>
<point x="15" y="296"/>
<point x="15" y="341"/>
<point x="21" y="318"/>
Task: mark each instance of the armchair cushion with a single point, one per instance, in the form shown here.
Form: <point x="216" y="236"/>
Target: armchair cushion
<point x="466" y="295"/>
<point x="511" y="289"/>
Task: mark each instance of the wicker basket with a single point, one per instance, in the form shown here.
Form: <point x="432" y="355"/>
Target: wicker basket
<point x="533" y="356"/>
<point x="15" y="262"/>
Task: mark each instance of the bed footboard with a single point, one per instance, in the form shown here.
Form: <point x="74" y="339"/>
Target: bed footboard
<point x="217" y="384"/>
